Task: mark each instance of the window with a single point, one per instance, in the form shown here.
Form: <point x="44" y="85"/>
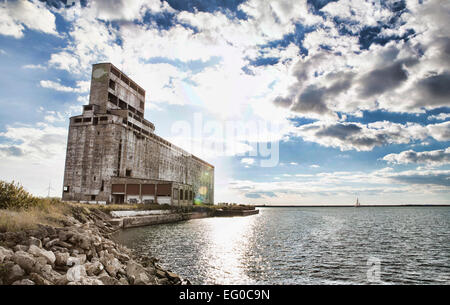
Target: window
<point x="181" y="194"/>
<point x="112" y="84"/>
<point x="78" y="120"/>
<point x="122" y="104"/>
<point x="112" y="98"/>
<point x="86" y="119"/>
<point x="92" y="197"/>
<point x="141" y="103"/>
<point x="128" y="172"/>
<point x="103" y="186"/>
<point x="66" y="188"/>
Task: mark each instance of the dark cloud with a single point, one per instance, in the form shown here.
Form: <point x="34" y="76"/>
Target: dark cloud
<point x="12" y="151"/>
<point x="342" y="81"/>
<point x="435" y="89"/>
<point x="339" y="131"/>
<point x="435" y="157"/>
<point x="384" y="79"/>
<point x="311" y="100"/>
<point x="432" y="178"/>
<point x="282" y="101"/>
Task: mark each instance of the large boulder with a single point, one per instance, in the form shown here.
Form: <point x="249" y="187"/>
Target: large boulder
<point x="14" y="272"/>
<point x="76" y="273"/>
<point x="48" y="255"/>
<point x="94" y="268"/>
<point x="5" y="254"/>
<point x="136" y="274"/>
<point x="25" y="260"/>
<point x="81" y="240"/>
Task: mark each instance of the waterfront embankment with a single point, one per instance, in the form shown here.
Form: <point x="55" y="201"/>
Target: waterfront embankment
<point x="79" y="252"/>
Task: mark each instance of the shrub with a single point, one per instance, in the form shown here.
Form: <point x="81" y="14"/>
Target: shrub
<point x="14" y="196"/>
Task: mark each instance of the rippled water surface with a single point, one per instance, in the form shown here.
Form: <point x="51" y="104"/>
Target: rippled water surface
<point x="304" y="246"/>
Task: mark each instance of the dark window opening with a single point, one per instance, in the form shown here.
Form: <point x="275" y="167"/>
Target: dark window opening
<point x="141" y="92"/>
<point x="66" y="188"/>
<point x="92" y="197"/>
<point x="104" y="118"/>
<point x="103" y="186"/>
<point x="131" y="108"/>
<point x="87" y="119"/>
<point x="128" y="172"/>
<point x="122" y="104"/>
<point x="112" y="98"/>
<point x="87" y="107"/>
<point x="78" y="120"/>
<point x="133" y="86"/>
<point x="181" y="194"/>
<point x="112" y="84"/>
<point x="95" y="120"/>
<point x="141" y="104"/>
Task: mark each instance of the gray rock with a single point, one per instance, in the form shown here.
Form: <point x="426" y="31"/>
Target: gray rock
<point x="49" y="255"/>
<point x="107" y="280"/>
<point x="136" y="274"/>
<point x="65" y="235"/>
<point x="51" y="243"/>
<point x="24" y="282"/>
<point x="5" y="254"/>
<point x="76" y="273"/>
<point x="20" y="248"/>
<point x="34" y="241"/>
<point x="94" y="268"/>
<point x="111" y="264"/>
<point x="91" y="281"/>
<point x="61" y="258"/>
<point x="39" y="263"/>
<point x="25" y="260"/>
<point x="15" y="273"/>
<point x="39" y="280"/>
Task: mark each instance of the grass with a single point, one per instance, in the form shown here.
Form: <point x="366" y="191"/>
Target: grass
<point x="19" y="210"/>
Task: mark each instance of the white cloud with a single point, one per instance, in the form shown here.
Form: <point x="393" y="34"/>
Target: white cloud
<point x="31" y="66"/>
<point x="248" y="161"/>
<point x="16" y="15"/>
<point x="434" y="157"/>
<point x="439" y="117"/>
<point x="82" y="86"/>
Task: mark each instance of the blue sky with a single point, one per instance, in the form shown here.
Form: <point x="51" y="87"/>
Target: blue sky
<point x="354" y="95"/>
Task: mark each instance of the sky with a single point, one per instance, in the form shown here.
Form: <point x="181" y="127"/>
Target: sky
<point x="294" y="101"/>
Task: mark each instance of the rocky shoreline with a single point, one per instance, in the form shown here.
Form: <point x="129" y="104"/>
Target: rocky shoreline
<point x="79" y="252"/>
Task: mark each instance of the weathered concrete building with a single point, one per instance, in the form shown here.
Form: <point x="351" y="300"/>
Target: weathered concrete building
<point x="114" y="156"/>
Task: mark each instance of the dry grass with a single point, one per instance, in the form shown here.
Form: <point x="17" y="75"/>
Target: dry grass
<point x="19" y="210"/>
<point x="24" y="219"/>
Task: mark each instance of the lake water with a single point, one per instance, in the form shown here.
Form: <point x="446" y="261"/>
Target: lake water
<point x="388" y="245"/>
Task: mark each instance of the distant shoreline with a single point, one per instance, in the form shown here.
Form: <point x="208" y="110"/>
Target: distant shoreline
<point x="352" y="206"/>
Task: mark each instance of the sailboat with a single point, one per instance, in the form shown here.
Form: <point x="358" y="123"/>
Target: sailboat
<point x="357" y="204"/>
